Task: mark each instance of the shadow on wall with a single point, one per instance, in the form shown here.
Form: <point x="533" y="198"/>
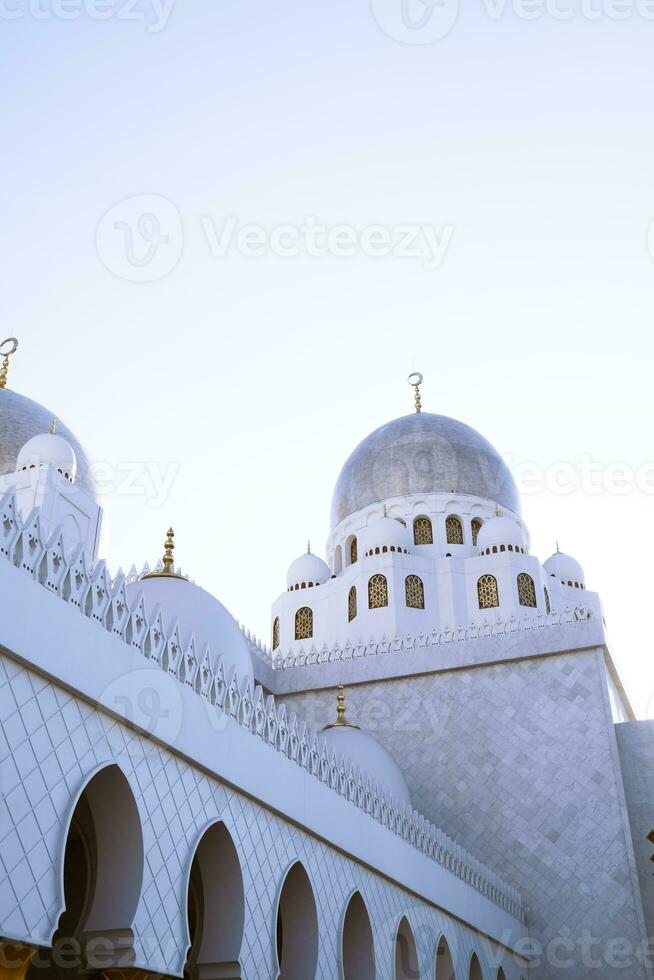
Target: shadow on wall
<point x="358" y="943"/>
<point x="406" y="954"/>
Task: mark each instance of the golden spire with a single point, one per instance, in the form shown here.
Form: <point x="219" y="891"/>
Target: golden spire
<point x="169" y="547"/>
<point x="53" y="426"/>
<point x="7" y="348"/>
<point x="168" y="569"/>
<point x="308" y="547"/>
<point x="498" y="512"/>
<point x="415" y="379"/>
<point x="341" y="720"/>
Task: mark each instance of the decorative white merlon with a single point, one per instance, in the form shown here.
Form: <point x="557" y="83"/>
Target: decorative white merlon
<point x="92" y="592"/>
<point x="403" y="644"/>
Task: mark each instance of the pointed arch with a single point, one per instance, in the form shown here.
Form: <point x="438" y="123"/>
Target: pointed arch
<point x="501" y="975"/>
<point x="406" y="953"/>
<point x="358" y="947"/>
<point x="304" y="623"/>
<point x="352" y="550"/>
<point x="297" y="927"/>
<point x="548" y="606"/>
<point x="475" y="527"/>
<point x="215" y="907"/>
<point x="101" y="867"/>
<point x="338" y="560"/>
<point x="487" y="592"/>
<point x="423" y="532"/>
<point x="453" y="530"/>
<point x="444" y="962"/>
<point x="475" y="973"/>
<point x="377" y="592"/>
<point x="352" y="604"/>
<point x="275" y="633"/>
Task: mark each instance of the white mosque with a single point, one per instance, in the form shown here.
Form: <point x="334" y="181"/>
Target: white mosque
<point x="432" y="772"/>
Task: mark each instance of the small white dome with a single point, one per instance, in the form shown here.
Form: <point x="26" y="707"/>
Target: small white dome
<point x="566" y="570"/>
<point x="385" y="534"/>
<point x="200" y="615"/>
<point x="501" y="533"/>
<point x="307" y="571"/>
<point x="48" y="449"/>
<point x="366" y="753"/>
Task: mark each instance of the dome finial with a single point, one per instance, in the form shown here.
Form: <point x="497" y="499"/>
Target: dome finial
<point x="415" y="379"/>
<point x="53" y="426"/>
<point x="7" y="348"/>
<point x="309" y="547"/>
<point x="558" y="550"/>
<point x="498" y="510"/>
<point x="169" y="547"/>
<point x="341" y="720"/>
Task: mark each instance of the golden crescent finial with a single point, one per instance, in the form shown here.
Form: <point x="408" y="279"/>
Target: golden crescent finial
<point x="169" y="547"/>
<point x="7" y="348"/>
<point x="415" y="379"/>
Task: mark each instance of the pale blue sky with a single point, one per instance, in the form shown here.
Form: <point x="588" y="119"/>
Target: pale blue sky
<point x="532" y="140"/>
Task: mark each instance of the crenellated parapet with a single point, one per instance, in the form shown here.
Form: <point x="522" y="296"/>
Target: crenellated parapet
<point x="90" y="590"/>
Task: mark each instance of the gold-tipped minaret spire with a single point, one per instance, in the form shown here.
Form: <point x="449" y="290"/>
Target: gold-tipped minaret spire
<point x="341" y="720"/>
<point x="7" y="348"/>
<point x="168" y="561"/>
<point x="415" y="379"/>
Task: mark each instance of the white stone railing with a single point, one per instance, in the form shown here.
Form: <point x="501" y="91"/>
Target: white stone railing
<point x="299" y="657"/>
<point x="93" y="593"/>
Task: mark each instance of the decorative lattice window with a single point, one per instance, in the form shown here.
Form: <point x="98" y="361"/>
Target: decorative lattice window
<point x="353" y="551"/>
<point x="304" y="624"/>
<point x="377" y="592"/>
<point x="526" y="590"/>
<point x="548" y="607"/>
<point x="475" y="527"/>
<point x="454" y="530"/>
<point x="415" y="592"/>
<point x="351" y="604"/>
<point x="275" y="636"/>
<point x="487" y="592"/>
<point x="422" y="531"/>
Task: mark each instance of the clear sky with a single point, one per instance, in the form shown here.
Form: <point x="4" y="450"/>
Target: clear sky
<point x="204" y="212"/>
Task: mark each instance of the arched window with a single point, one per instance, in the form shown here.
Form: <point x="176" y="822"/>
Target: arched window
<point x="526" y="590"/>
<point x="487" y="592"/>
<point x="444" y="963"/>
<point x="377" y="592"/>
<point x="352" y="604"/>
<point x="415" y="592"/>
<point x="353" y="551"/>
<point x="475" y="969"/>
<point x="297" y="927"/>
<point x="454" y="530"/>
<point x="475" y="527"/>
<point x="548" y="607"/>
<point x="422" y="531"/>
<point x="406" y="954"/>
<point x="358" y="943"/>
<point x="304" y="624"/>
<point x="338" y="560"/>
<point x="275" y="633"/>
<point x="216" y="907"/>
<point x="501" y="975"/>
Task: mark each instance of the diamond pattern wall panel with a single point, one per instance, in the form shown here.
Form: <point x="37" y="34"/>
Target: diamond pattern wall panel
<point x="51" y="744"/>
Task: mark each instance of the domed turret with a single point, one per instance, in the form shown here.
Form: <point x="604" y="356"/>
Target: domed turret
<point x="21" y="419"/>
<point x="48" y="449"/>
<point x="564" y="568"/>
<point x="199" y="614"/>
<point x="307" y="571"/>
<point x="383" y="535"/>
<point x="501" y="533"/>
<point x="367" y="754"/>
<point x="418" y="454"/>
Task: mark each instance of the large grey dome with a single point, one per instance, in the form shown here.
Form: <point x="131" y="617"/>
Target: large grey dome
<point x="422" y="453"/>
<point x="20" y="420"/>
